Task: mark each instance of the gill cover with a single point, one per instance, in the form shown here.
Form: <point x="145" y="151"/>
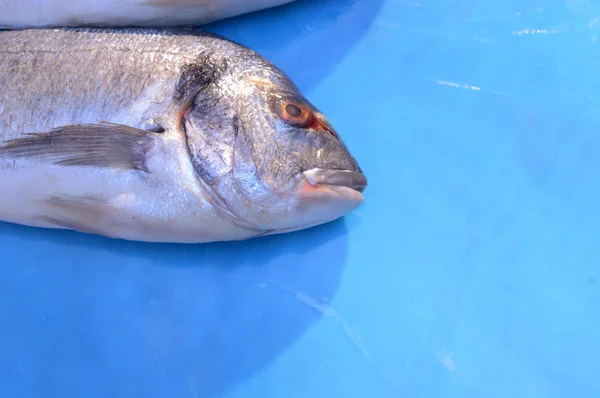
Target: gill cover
<point x="218" y="147"/>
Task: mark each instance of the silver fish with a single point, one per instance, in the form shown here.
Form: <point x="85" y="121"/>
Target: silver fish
<point x="162" y="136"/>
<point x="19" y="14"/>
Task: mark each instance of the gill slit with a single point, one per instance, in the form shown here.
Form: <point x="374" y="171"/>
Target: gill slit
<point x="233" y="160"/>
<point x="235" y="181"/>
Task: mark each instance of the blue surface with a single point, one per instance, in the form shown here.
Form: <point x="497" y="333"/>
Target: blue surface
<point x="470" y="271"/>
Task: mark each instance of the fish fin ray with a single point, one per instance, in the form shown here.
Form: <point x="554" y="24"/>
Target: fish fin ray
<point x="85" y="215"/>
<point x="97" y="145"/>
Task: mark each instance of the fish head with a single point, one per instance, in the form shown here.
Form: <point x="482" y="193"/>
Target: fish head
<point x="301" y="159"/>
<point x="268" y="157"/>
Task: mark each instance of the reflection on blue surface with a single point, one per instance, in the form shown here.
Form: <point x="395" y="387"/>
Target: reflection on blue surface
<point x="470" y="271"/>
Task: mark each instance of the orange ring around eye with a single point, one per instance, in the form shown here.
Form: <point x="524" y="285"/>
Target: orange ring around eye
<point x="295" y="114"/>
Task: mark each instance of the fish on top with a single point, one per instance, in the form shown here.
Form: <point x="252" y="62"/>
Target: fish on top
<point x="22" y="14"/>
<point x="162" y="135"/>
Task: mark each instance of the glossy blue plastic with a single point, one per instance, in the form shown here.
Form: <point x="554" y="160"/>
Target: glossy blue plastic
<point x="471" y="270"/>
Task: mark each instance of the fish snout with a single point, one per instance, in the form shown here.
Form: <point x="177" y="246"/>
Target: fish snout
<point x="330" y="194"/>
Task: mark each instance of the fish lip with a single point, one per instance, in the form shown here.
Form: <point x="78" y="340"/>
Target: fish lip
<point x="336" y="178"/>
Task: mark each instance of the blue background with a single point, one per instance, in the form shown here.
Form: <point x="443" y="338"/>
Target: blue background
<point x="471" y="270"/>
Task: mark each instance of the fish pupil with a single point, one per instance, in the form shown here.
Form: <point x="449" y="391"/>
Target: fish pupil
<point x="293" y="110"/>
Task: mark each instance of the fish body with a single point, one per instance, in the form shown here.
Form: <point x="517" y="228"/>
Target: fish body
<point x="162" y="136"/>
<point x="19" y="14"/>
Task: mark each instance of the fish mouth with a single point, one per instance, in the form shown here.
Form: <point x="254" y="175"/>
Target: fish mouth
<point x="327" y="194"/>
<point x="337" y="180"/>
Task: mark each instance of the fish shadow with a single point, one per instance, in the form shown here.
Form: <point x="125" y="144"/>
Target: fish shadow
<point x="89" y="316"/>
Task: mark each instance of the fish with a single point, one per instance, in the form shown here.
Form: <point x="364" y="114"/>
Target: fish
<point x="27" y="14"/>
<point x="163" y="135"/>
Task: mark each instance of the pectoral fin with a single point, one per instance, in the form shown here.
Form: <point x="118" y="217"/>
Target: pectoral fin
<point x="97" y="145"/>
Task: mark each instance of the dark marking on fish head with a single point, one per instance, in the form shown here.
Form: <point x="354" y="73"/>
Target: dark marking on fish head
<point x="199" y="74"/>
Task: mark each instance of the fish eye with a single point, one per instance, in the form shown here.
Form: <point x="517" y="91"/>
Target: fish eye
<point x="294" y="113"/>
<point x="293" y="110"/>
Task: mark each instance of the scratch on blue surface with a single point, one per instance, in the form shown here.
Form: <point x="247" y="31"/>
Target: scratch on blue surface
<point x="466" y="86"/>
<point x="328" y="311"/>
<point x="535" y="32"/>
<point x="388" y="24"/>
<point x="192" y="387"/>
<point x="447" y="360"/>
